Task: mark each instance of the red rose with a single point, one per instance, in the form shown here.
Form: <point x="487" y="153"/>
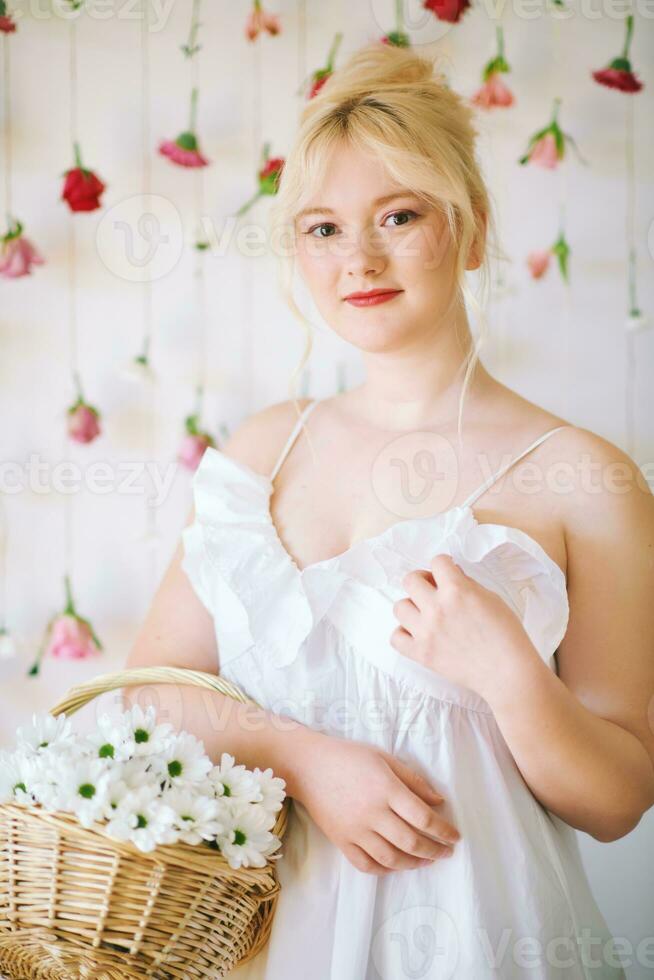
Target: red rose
<point x="450" y="10"/>
<point x="82" y="188"/>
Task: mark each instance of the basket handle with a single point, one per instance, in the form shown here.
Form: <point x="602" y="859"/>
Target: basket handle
<point x="81" y="694"/>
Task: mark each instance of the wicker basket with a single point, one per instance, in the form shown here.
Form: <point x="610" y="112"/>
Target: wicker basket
<point x="74" y="903"/>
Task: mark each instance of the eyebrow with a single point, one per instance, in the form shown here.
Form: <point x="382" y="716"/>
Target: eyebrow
<point x="380" y="200"/>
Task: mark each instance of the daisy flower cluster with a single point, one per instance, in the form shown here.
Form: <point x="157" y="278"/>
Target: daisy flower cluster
<point x="145" y="783"/>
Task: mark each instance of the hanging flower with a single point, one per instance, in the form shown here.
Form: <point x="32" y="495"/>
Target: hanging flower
<point x="7" y="23"/>
<point x="139" y="370"/>
<point x="82" y="188"/>
<point x="185" y="150"/>
<point x="268" y="178"/>
<point x="68" y="636"/>
<point x="193" y="444"/>
<point x="618" y="74"/>
<point x="83" y="421"/>
<point x="636" y="320"/>
<point x="8" y="645"/>
<point x="260" y="20"/>
<point x="320" y="76"/>
<point x="539" y="261"/>
<point x="494" y="92"/>
<point x="547" y="146"/>
<point x="17" y="255"/>
<point x="398" y="38"/>
<point x="449" y="10"/>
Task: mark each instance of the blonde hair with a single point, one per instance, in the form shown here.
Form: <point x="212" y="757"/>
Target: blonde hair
<point x="390" y="101"/>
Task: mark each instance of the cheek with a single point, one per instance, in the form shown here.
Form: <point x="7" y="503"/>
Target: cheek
<point x="318" y="268"/>
<point x="423" y="251"/>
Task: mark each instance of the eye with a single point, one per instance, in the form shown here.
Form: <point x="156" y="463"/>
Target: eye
<point x="399" y="214"/>
<point x="325" y="224"/>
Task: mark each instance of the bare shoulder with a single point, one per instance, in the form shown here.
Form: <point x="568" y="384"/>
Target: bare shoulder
<point x="600" y="487"/>
<point x="259" y="438"/>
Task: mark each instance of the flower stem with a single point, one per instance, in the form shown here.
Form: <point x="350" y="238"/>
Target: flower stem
<point x="194" y="109"/>
<point x="78" y="385"/>
<point x="78" y="155"/>
<point x="399" y="16"/>
<point x="70" y="605"/>
<point x="332" y="51"/>
<point x="627" y="41"/>
<point x="190" y="47"/>
<point x="500" y="42"/>
<point x="248" y="204"/>
<point x="555" y="111"/>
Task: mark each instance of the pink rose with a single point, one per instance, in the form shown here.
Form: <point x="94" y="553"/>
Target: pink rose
<point x="538" y="263"/>
<point x="493" y="93"/>
<point x="184" y="151"/>
<point x="545" y="152"/>
<point x="259" y="20"/>
<point x="83" y="422"/>
<point x="192" y="449"/>
<point x="18" y="257"/>
<point x="71" y="639"/>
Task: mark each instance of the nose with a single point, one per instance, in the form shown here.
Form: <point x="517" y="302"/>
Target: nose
<point x="366" y="254"/>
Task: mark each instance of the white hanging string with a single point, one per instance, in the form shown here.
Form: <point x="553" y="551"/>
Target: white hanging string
<point x="567" y="317"/>
<point x="630" y="225"/>
<point x="4" y="523"/>
<point x="7" y="126"/>
<point x="249" y="277"/>
<point x="199" y="260"/>
<point x="151" y="533"/>
<point x="72" y="298"/>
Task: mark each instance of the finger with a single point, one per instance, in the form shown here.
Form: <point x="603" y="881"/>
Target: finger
<point x="362" y="861"/>
<point x="402" y="640"/>
<point x="414" y="780"/>
<point x="388" y="855"/>
<point x="420" y="587"/>
<point x="408" y="839"/>
<point x="408" y="614"/>
<point x="416" y="812"/>
<point x="445" y="570"/>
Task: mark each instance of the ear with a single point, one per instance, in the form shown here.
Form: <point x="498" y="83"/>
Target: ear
<point x="478" y="247"/>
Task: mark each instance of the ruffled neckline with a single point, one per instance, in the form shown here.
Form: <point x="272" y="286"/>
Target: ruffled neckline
<point x="284" y="602"/>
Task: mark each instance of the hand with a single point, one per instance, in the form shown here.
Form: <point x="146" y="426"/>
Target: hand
<point x="375" y="809"/>
<point x="456" y="627"/>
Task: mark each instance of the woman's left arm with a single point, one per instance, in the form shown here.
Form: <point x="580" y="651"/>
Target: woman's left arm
<point x="584" y="741"/>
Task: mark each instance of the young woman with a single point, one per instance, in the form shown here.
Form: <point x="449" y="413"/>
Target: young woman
<point x="451" y="648"/>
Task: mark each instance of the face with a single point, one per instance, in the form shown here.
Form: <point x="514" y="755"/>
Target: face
<point x="366" y="232"/>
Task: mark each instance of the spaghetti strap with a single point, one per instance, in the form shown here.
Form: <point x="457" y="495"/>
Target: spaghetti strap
<point x="293" y="436"/>
<point x="495" y="476"/>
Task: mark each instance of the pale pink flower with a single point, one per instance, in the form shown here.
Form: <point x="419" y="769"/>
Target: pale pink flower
<point x="83" y="423"/>
<point x="184" y="156"/>
<point x="260" y="20"/>
<point x="71" y="639"/>
<point x="18" y="257"/>
<point x="192" y="449"/>
<point x="544" y="152"/>
<point x="493" y="93"/>
<point x="538" y="263"/>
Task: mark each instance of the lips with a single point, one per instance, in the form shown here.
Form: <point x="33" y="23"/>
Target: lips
<point x="372" y="297"/>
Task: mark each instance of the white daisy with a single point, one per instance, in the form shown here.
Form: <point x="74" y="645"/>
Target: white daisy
<point x="146" y="736"/>
<point x="83" y="788"/>
<point x="196" y="817"/>
<point x="44" y="732"/>
<point x="272" y="788"/>
<point x="235" y="782"/>
<point x="110" y="740"/>
<point x="246" y="841"/>
<point x="16" y="784"/>
<point x="183" y="761"/>
<point x="142" y="818"/>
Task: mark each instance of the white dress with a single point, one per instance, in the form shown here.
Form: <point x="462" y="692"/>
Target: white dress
<point x="313" y="644"/>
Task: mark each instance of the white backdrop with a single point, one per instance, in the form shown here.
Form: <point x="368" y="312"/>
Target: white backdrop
<point x="565" y="350"/>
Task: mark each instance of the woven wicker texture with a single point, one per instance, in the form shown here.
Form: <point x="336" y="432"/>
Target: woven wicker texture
<point x="76" y="904"/>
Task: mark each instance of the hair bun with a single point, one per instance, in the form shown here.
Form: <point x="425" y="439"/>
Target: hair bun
<point x="377" y="67"/>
